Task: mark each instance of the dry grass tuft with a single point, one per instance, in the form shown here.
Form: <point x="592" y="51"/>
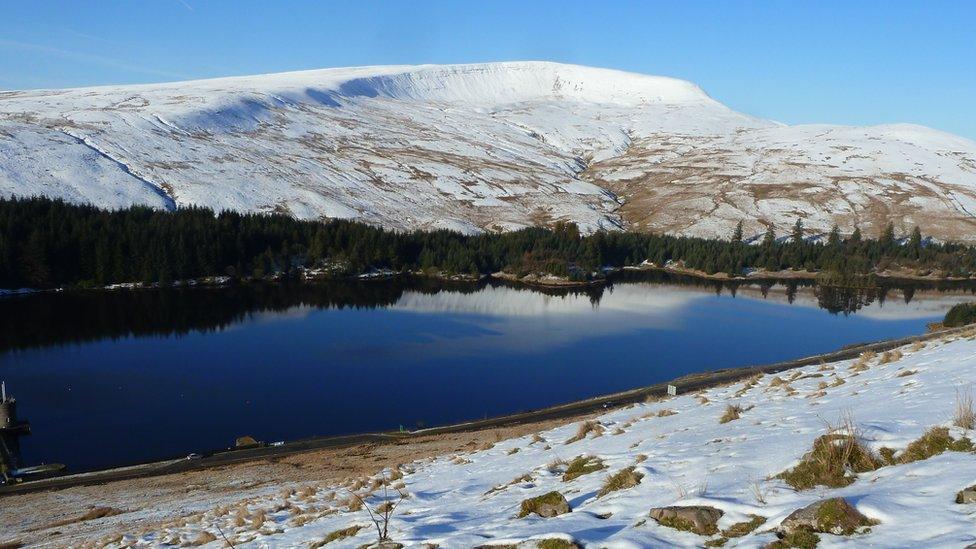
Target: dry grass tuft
<point x="527" y="477"/>
<point x="582" y="465"/>
<point x="964" y="415"/>
<point x="749" y="384"/>
<point x="863" y="362"/>
<point x="917" y="346"/>
<point x="732" y="413"/>
<point x="337" y="535"/>
<point x="906" y="373"/>
<point x="758" y="491"/>
<point x="621" y="480"/>
<point x="641" y="458"/>
<point x="556" y="466"/>
<point x="890" y="356"/>
<point x="665" y="412"/>
<point x="834" y="459"/>
<point x="934" y="442"/>
<point x="92" y="514"/>
<point x="778" y="382"/>
<point x="202" y="539"/>
<point x="741" y="529"/>
<point x="585" y="429"/>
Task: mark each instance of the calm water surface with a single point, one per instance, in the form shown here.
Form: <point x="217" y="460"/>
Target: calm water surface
<point x="107" y="378"/>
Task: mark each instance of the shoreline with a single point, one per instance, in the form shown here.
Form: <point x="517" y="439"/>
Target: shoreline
<point x="561" y="413"/>
<point x="545" y="282"/>
<point x="788" y="276"/>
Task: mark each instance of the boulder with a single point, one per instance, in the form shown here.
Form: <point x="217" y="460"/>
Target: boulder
<point x="700" y="519"/>
<point x="967" y="495"/>
<point x="829" y="516"/>
<point x="546" y="505"/>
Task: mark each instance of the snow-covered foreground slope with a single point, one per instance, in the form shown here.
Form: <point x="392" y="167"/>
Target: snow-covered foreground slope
<point x="686" y="456"/>
<point x="473" y="147"/>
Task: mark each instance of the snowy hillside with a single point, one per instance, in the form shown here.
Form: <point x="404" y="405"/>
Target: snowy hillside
<point x="908" y="459"/>
<point x="474" y="147"/>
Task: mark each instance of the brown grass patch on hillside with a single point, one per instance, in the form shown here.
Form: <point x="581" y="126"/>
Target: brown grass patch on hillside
<point x="92" y="514"/>
<point x="585" y="429"/>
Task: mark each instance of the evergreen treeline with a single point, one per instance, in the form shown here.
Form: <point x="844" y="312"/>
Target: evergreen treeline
<point x="47" y="243"/>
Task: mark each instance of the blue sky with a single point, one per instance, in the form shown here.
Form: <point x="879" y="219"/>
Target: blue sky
<point x="862" y="62"/>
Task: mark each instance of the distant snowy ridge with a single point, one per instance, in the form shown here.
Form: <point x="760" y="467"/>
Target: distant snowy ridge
<point x="494" y="146"/>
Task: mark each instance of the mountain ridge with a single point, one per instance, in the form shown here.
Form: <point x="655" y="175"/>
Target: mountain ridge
<point x="487" y="146"/>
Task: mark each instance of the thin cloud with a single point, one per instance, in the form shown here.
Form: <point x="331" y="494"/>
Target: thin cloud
<point x="86" y="58"/>
<point x="186" y="4"/>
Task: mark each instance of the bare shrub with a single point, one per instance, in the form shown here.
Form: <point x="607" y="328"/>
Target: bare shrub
<point x="381" y="514"/>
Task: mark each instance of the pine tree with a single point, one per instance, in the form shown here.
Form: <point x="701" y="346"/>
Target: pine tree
<point x="797" y="236"/>
<point x="833" y="240"/>
<point x="737" y="233"/>
<point x="915" y="242"/>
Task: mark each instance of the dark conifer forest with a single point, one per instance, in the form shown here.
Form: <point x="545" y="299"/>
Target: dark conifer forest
<point x="50" y="243"/>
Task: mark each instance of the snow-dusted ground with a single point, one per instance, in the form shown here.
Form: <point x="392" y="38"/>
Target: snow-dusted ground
<point x="687" y="458"/>
<point x="492" y="146"/>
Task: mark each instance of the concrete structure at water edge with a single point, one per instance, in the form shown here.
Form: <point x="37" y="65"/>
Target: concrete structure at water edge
<point x="11" y="429"/>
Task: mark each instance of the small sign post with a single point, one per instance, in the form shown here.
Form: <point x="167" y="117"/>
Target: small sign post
<point x="672" y="390"/>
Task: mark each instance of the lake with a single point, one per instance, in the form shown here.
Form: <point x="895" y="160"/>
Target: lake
<point x="118" y="377"/>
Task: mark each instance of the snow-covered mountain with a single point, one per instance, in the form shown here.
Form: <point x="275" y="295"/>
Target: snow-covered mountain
<point x="479" y="147"/>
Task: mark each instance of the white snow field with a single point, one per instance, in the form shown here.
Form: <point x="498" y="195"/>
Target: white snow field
<point x="686" y="456"/>
<point x="494" y="146"/>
